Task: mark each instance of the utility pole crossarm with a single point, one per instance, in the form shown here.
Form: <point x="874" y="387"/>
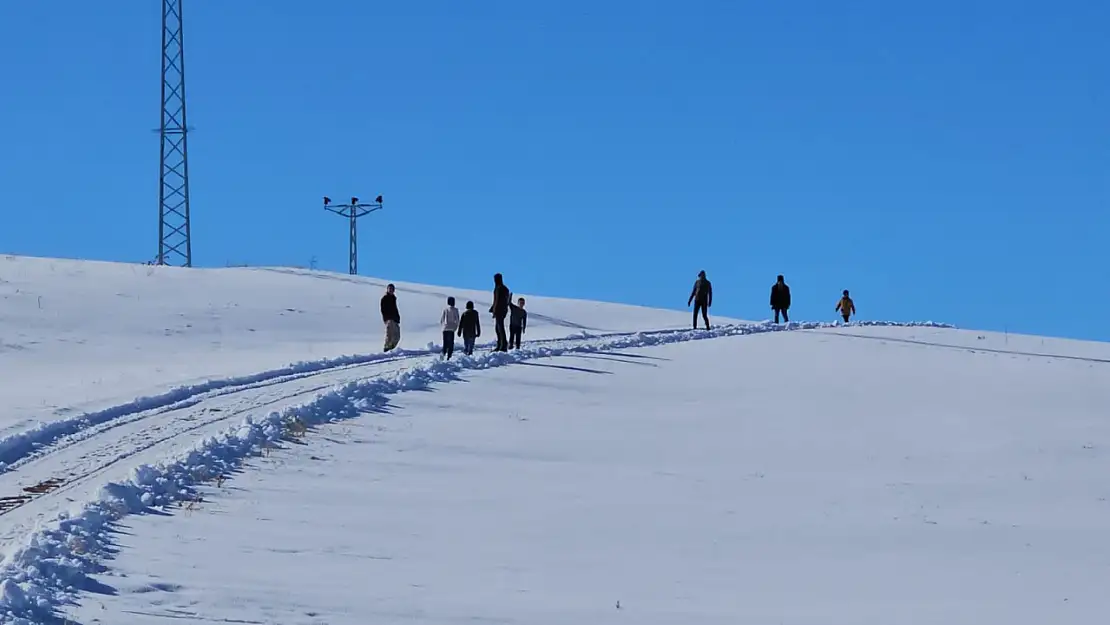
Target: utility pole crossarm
<point x="362" y="210"/>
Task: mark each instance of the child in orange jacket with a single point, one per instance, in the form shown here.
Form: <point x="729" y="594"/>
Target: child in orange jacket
<point x="846" y="306"/>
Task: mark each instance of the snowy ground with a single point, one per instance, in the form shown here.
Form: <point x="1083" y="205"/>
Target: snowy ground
<point x="752" y="474"/>
<point x="690" y="482"/>
<point x="79" y="336"/>
<point x="105" y="365"/>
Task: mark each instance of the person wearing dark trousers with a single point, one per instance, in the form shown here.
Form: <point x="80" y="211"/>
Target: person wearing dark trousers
<point x="469" y="328"/>
<point x="500" y="310"/>
<point x="518" y="319"/>
<point x="780" y="300"/>
<point x="449" y="320"/>
<point x="846" y="307"/>
<point x="702" y="297"/>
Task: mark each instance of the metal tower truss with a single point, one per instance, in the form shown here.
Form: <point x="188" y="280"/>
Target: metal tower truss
<point x="353" y="211"/>
<point x="174" y="244"/>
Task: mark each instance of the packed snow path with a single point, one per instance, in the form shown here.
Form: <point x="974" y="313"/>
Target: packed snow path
<point x="120" y="460"/>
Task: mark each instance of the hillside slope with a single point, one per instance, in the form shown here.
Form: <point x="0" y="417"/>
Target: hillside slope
<point x="857" y="475"/>
<point x="78" y="336"/>
<point x="258" y="460"/>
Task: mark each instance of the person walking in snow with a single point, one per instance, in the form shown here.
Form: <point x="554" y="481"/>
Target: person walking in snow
<point x="702" y="297"/>
<point x="469" y="328"/>
<point x="846" y="306"/>
<point x="518" y="320"/>
<point x="392" y="318"/>
<point x="780" y="299"/>
<point x="449" y="320"/>
<point x="500" y="309"/>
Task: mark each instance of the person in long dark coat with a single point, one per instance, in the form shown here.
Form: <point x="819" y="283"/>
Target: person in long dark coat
<point x="780" y="299"/>
<point x="391" y="317"/>
<point x="702" y="297"/>
<point x="500" y="310"/>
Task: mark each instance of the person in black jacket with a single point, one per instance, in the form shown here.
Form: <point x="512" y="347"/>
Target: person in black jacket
<point x="392" y="318"/>
<point x="500" y="310"/>
<point x="469" y="328"/>
<point x="702" y="297"/>
<point x="780" y="299"/>
<point x="518" y="322"/>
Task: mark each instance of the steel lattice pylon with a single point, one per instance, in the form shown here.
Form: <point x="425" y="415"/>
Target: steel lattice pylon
<point x="174" y="245"/>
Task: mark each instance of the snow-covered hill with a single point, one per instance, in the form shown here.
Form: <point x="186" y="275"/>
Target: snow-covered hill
<point x="81" y="336"/>
<point x="619" y="468"/>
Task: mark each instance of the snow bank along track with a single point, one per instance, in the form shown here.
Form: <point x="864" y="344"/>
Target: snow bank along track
<point x="46" y="571"/>
<point x="24" y="448"/>
<point x="59" y="465"/>
<point x="42" y="444"/>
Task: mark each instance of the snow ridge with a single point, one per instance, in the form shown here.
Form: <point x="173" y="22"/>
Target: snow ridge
<point x="57" y="561"/>
<point x="18" y="446"/>
<point x="25" y="444"/>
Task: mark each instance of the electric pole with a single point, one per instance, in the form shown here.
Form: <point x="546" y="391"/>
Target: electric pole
<point x="353" y="211"/>
<point x="174" y="245"/>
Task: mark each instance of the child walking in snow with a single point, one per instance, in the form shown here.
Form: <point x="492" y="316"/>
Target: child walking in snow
<point x="449" y="320"/>
<point x="469" y="328"/>
<point x="846" y="307"/>
<point x="518" y="319"/>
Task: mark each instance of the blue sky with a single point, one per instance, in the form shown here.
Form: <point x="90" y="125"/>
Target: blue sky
<point x="943" y="160"/>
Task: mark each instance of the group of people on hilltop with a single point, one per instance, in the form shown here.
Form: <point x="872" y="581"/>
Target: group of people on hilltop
<point x="467" y="325"/>
<point x="702" y="299"/>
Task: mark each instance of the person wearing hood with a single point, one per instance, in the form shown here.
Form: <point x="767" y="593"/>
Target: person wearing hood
<point x="780" y="299"/>
<point x="500" y="310"/>
<point x="702" y="298"/>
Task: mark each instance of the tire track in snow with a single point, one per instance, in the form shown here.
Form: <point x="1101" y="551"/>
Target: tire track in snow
<point x="20" y="445"/>
<point x="72" y="464"/>
<point x="56" y="561"/>
<point x="76" y="433"/>
<point x="968" y="348"/>
<point x="91" y="452"/>
<point x="20" y="448"/>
